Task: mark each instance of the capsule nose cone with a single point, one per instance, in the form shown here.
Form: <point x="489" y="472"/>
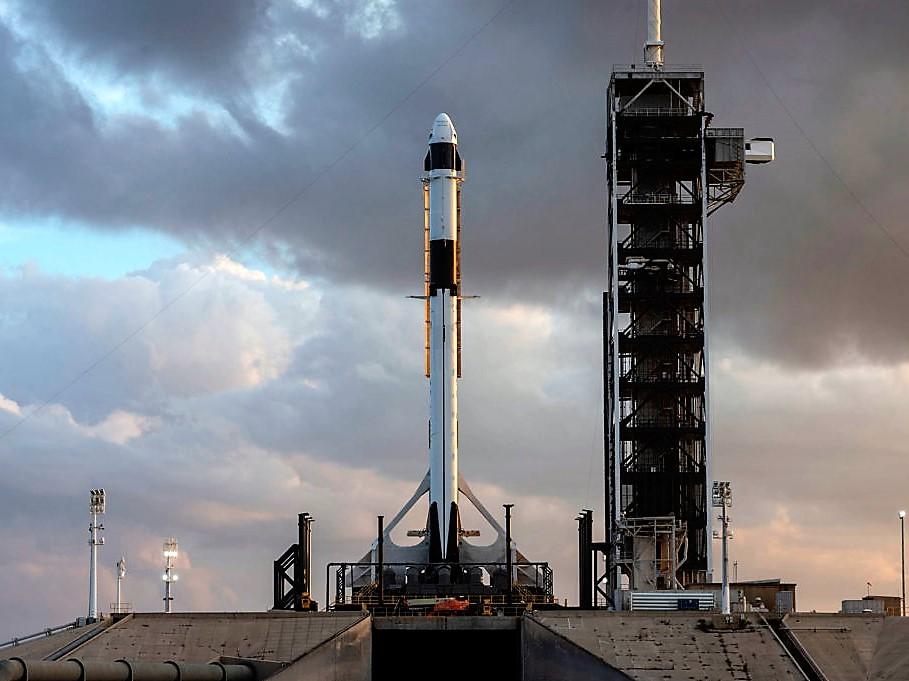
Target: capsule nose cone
<point x="443" y="130"/>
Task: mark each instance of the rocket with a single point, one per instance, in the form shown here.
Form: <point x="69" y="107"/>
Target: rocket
<point x="442" y="287"/>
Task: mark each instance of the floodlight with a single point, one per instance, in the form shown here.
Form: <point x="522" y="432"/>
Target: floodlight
<point x="170" y="548"/>
<point x="722" y="493"/>
<point x="170" y="555"/>
<point x="96" y="502"/>
<point x="902" y="514"/>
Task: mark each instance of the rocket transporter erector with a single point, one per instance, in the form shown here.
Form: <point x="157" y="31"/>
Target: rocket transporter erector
<point x="442" y="262"/>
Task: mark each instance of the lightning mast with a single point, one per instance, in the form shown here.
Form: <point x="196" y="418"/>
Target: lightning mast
<point x="96" y="508"/>
<point x="653" y="48"/>
<point x="121" y="573"/>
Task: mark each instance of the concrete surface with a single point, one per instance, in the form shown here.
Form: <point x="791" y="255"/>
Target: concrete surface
<point x="854" y="647"/>
<point x="549" y="656"/>
<point x="202" y="637"/>
<point x="44" y="647"/>
<point x="346" y="656"/>
<point x="459" y="623"/>
<point x="672" y="647"/>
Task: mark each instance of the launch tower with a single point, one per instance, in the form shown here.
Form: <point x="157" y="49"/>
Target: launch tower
<point x="668" y="170"/>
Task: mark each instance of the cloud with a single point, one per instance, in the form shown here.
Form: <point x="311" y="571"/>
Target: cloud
<point x="344" y="418"/>
<point x="373" y="18"/>
<point x="814" y="457"/>
<point x="848" y="558"/>
<point x="10" y="406"/>
<point x="210" y="461"/>
<point x="120" y="118"/>
<point x="200" y="345"/>
<point x="120" y="427"/>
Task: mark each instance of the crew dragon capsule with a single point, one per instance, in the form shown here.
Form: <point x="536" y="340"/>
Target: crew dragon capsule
<point x="442" y="277"/>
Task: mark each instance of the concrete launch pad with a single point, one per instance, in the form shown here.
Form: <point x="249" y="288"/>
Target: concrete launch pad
<point x="564" y="645"/>
<point x="853" y="647"/>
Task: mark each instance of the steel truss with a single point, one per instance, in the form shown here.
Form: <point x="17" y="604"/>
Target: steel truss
<point x="667" y="171"/>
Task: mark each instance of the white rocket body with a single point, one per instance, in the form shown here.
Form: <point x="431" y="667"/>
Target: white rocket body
<point x="443" y="177"/>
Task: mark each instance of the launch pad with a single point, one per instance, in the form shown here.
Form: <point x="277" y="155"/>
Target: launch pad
<point x="485" y="580"/>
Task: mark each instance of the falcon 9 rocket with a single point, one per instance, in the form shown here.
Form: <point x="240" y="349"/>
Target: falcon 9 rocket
<point x="442" y="228"/>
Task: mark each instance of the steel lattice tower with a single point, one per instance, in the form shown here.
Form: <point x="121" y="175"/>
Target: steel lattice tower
<point x="667" y="171"/>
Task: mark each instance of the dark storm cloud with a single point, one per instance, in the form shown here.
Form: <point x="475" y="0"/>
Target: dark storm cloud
<point x="200" y="43"/>
<point x="199" y="179"/>
<point x="795" y="251"/>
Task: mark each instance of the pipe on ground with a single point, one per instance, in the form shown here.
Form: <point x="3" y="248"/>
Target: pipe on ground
<point x="17" y="669"/>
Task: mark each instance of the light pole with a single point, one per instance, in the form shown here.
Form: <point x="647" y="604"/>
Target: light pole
<point x="722" y="498"/>
<point x="97" y="504"/>
<point x="121" y="573"/>
<point x="170" y="555"/>
<point x="508" y="562"/>
<point x="902" y="515"/>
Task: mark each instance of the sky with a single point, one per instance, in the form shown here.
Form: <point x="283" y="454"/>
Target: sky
<point x="210" y="219"/>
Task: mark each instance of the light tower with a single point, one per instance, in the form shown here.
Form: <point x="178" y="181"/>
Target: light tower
<point x="169" y="577"/>
<point x="668" y="170"/>
<point x="96" y="508"/>
<point x="722" y="499"/>
<point x="121" y="573"/>
<point x="902" y="517"/>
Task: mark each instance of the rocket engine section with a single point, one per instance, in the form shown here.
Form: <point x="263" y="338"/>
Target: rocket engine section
<point x="442" y="277"/>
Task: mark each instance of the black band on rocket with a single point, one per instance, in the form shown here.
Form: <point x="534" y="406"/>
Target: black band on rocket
<point x="442" y="266"/>
<point x="442" y="156"/>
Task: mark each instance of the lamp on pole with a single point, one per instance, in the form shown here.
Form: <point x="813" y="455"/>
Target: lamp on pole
<point x="902" y="515"/>
<point x="170" y="556"/>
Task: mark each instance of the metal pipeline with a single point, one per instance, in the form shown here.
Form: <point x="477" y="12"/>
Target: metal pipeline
<point x="17" y="669"/>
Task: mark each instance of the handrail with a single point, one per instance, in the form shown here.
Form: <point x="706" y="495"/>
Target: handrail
<point x="648" y="198"/>
<point x="789" y="652"/>
<point x="667" y="68"/>
<point x="75" y="624"/>
<point x="656" y="111"/>
<point x="542" y="575"/>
